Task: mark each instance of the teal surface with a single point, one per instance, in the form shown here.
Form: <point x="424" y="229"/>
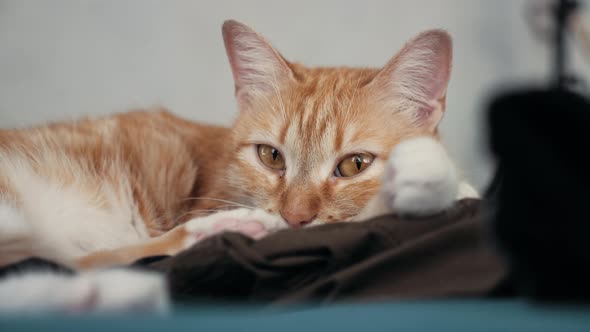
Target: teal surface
<point x="398" y="316"/>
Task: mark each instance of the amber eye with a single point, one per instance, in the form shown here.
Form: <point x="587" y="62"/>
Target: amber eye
<point x="271" y="157"/>
<point x="353" y="165"/>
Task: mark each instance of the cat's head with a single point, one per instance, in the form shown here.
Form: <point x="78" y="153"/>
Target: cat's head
<point x="311" y="143"/>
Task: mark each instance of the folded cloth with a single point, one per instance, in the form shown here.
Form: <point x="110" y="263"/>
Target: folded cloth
<point x="539" y="139"/>
<point x="389" y="257"/>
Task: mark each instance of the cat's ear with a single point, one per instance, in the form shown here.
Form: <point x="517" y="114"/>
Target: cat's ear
<point x="256" y="66"/>
<point x="415" y="80"/>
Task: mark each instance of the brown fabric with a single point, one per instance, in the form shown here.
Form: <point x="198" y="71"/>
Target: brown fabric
<point x="385" y="258"/>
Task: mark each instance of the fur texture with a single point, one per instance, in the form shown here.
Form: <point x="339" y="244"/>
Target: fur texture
<point x="111" y="190"/>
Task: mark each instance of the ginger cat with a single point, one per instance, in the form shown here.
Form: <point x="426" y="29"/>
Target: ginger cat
<point x="309" y="146"/>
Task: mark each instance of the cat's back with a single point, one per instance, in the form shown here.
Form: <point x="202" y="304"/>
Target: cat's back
<point x="108" y="147"/>
<point x="102" y="183"/>
<point x="157" y="123"/>
<point x="131" y="136"/>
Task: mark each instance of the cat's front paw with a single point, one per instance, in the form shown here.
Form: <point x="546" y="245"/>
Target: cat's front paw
<point x="254" y="223"/>
<point x="420" y="179"/>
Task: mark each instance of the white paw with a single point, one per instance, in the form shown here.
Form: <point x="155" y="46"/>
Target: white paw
<point x="111" y="291"/>
<point x="255" y="223"/>
<point x="129" y="291"/>
<point x="420" y="178"/>
<point x="43" y="292"/>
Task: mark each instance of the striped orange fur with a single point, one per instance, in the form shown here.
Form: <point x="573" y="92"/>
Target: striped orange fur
<point x="154" y="171"/>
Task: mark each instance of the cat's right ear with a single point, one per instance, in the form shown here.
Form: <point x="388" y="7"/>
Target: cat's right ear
<point x="258" y="69"/>
<point x="415" y="81"/>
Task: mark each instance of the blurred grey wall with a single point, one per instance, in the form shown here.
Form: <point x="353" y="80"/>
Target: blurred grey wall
<point x="62" y="59"/>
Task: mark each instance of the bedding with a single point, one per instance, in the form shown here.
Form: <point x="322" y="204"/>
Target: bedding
<point x="385" y="258"/>
<point x="389" y="257"/>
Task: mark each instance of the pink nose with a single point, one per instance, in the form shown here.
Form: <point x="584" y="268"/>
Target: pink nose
<point x="298" y="217"/>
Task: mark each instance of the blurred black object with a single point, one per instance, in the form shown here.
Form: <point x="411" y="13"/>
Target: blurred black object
<point x="542" y="209"/>
<point x="541" y="194"/>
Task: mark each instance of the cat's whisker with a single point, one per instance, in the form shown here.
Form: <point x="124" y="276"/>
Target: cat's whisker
<point x="231" y="203"/>
<point x="243" y="197"/>
<point x="179" y="218"/>
<point x="203" y="213"/>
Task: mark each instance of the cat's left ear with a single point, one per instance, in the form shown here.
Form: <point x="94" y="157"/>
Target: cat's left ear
<point x="415" y="80"/>
<point x="258" y="69"/>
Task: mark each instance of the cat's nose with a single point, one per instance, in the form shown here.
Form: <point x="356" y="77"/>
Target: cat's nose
<point x="298" y="217"/>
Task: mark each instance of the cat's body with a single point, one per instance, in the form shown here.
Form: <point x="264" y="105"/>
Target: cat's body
<point x="73" y="189"/>
<point x="106" y="183"/>
<point x="310" y="146"/>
